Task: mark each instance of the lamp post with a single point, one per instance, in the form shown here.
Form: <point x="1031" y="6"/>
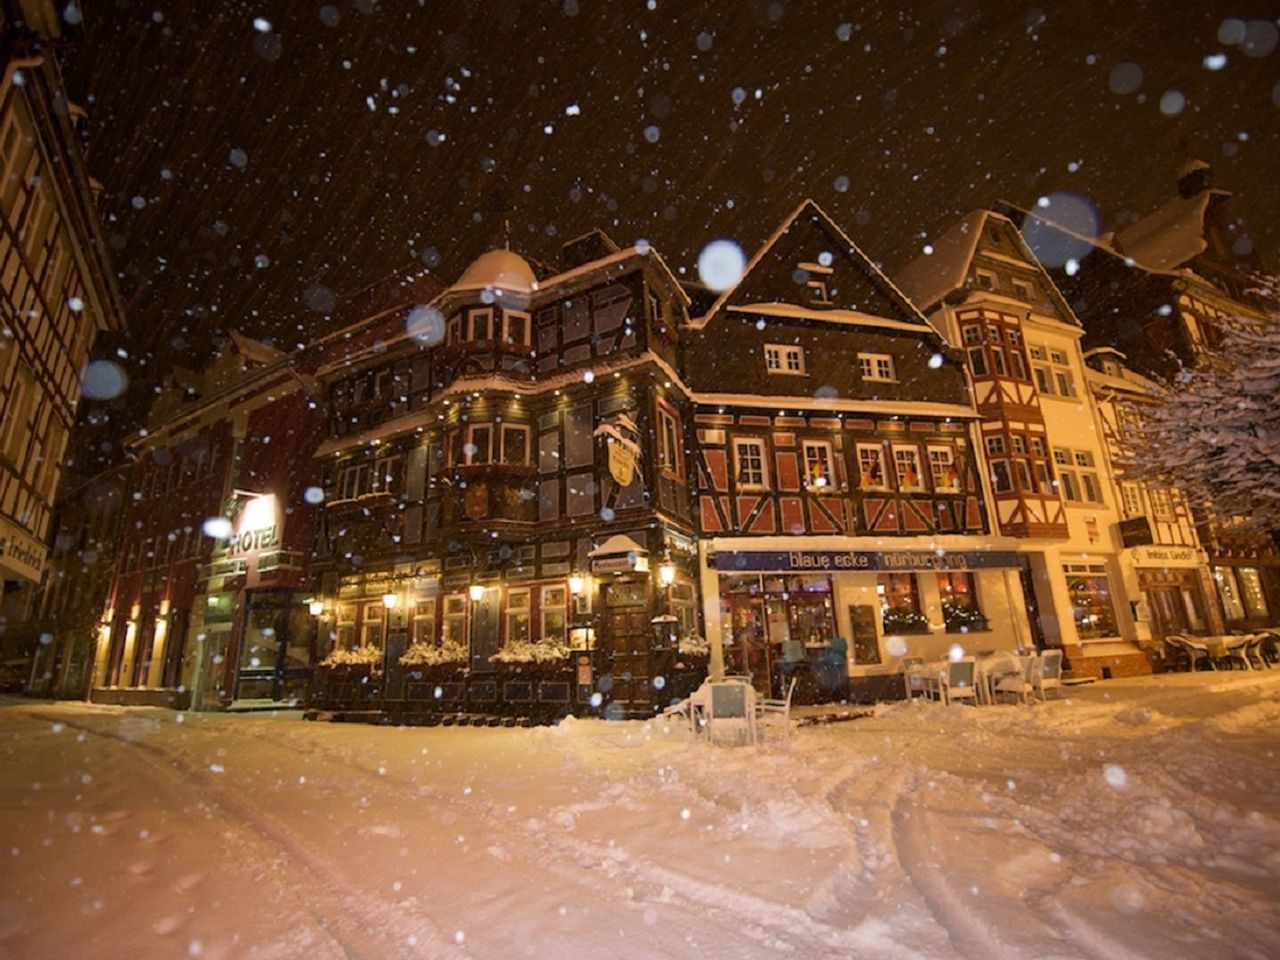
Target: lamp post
<point x="476" y="593"/>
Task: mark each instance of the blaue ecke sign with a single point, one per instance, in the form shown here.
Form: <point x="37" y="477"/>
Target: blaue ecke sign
<point x="828" y="561"/>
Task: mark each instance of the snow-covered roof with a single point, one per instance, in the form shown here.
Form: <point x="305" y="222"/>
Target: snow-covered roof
<point x="850" y="317"/>
<point x="808" y="205"/>
<point x="930" y="277"/>
<point x="501" y="269"/>
<point x="1173" y="235"/>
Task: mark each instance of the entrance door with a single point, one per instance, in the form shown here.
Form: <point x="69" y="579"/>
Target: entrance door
<point x="1168" y="613"/>
<point x="625" y="621"/>
<point x="1027" y="578"/>
<point x="748" y="656"/>
<point x="275" y="651"/>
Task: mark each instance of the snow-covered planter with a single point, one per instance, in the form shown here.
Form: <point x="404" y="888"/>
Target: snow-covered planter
<point x="451" y="652"/>
<point x="693" y="645"/>
<point x="527" y="652"/>
<point x="366" y="655"/>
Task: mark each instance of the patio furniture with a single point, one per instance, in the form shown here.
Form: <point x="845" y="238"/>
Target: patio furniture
<point x="731" y="707"/>
<point x="777" y="710"/>
<point x="1048" y="674"/>
<point x="1176" y="654"/>
<point x="1020" y="684"/>
<point x="1253" y="652"/>
<point x="1234" y="651"/>
<point x="913" y="676"/>
<point x="959" y="681"/>
<point x="994" y="667"/>
<point x="1199" y="651"/>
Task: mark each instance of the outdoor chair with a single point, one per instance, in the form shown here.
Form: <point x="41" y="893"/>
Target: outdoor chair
<point x="1198" y="652"/>
<point x="1236" y="652"/>
<point x="1176" y="655"/>
<point x="959" y="681"/>
<point x="1047" y="674"/>
<point x="777" y="709"/>
<point x="1019" y="684"/>
<point x="913" y="681"/>
<point x="732" y="707"/>
<point x="1253" y="652"/>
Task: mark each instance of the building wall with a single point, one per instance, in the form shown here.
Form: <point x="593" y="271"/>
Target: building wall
<point x="57" y="291"/>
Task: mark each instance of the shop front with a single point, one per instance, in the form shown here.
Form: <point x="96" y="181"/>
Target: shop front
<point x="1172" y="592"/>
<point x="842" y="621"/>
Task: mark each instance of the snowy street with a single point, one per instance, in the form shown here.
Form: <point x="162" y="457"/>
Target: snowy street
<point x="1138" y="819"/>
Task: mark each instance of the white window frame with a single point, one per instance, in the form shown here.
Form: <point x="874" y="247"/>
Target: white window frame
<point x="470" y="448"/>
<point x="762" y="452"/>
<point x="550" y="604"/>
<point x="824" y="454"/>
<point x="424" y="618"/>
<point x="472" y="317"/>
<point x="913" y="449"/>
<point x="519" y="605"/>
<point x="879" y="458"/>
<point x="1130" y="498"/>
<point x="941" y="459"/>
<point x="783" y="358"/>
<point x="878" y="367"/>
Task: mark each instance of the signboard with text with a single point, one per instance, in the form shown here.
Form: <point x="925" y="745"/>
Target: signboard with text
<point x="21" y="554"/>
<point x="831" y="561"/>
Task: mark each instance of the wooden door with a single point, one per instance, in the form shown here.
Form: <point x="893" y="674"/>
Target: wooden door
<point x="626" y="640"/>
<point x="1167" y="611"/>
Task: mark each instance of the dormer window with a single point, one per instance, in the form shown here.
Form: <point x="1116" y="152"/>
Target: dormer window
<point x="781" y="358"/>
<point x="984" y="279"/>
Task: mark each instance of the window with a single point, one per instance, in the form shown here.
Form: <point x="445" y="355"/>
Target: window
<point x="455" y="328"/>
<point x="817" y="464"/>
<point x="516" y="327"/>
<point x="900" y="604"/>
<point x="1077" y="486"/>
<point x="978" y="361"/>
<point x="385" y="476"/>
<point x="997" y="362"/>
<point x="1058" y="357"/>
<point x="1070" y="489"/>
<point x="942" y="469"/>
<point x="1000" y="478"/>
<point x="372" y="625"/>
<point x="972" y="334"/>
<point x="515" y="445"/>
<point x="1065" y="383"/>
<point x="481" y="324"/>
<point x="479" y="444"/>
<point x="959" y="597"/>
<point x="1019" y="443"/>
<point x="871" y="466"/>
<point x="1255" y="600"/>
<point x="783" y="359"/>
<point x="985" y="280"/>
<point x="751" y="465"/>
<point x="817" y="288"/>
<point x="906" y="465"/>
<point x="1043" y="381"/>
<point x="424" y="621"/>
<point x="454" y="623"/>
<point x="1037" y="351"/>
<point x="1091" y="604"/>
<point x="1130" y="499"/>
<point x="670" y="446"/>
<point x="995" y="444"/>
<point x="1161" y="504"/>
<point x="1024" y="476"/>
<point x="517" y="616"/>
<point x="554" y="621"/>
<point x="1017" y="364"/>
<point x="1037" y="446"/>
<point x="1022" y="289"/>
<point x="876" y="366"/>
<point x="1014" y="337"/>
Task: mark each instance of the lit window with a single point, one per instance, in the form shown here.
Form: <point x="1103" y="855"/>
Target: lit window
<point x="554" y="607"/>
<point x="871" y="466"/>
<point x="424" y="621"/>
<point x="906" y="464"/>
<point x="1255" y="600"/>
<point x="517" y="616"/>
<point x="817" y="464"/>
<point x="751" y="465"/>
<point x="876" y="366"/>
<point x="942" y="469"/>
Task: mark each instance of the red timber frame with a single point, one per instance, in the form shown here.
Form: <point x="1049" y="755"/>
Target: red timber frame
<point x="806" y="493"/>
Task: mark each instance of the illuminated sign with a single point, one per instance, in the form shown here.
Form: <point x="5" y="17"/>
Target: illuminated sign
<point x="837" y="560"/>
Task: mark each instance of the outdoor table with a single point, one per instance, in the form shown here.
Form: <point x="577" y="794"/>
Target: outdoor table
<point x="1217" y="646"/>
<point x="991" y="668"/>
<point x="923" y="676"/>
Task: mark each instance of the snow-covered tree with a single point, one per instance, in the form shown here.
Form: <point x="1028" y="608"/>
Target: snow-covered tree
<point x="1215" y="432"/>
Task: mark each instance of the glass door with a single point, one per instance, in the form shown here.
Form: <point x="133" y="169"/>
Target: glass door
<point x="275" y="648"/>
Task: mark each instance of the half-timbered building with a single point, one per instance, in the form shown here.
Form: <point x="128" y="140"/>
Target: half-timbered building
<point x="1046" y="462"/>
<point x="841" y="516"/>
<point x="507" y="476"/>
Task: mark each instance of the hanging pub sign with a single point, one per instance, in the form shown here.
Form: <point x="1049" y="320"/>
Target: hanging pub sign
<point x="622" y="442"/>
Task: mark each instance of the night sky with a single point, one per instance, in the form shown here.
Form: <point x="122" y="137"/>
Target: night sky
<point x="253" y="179"/>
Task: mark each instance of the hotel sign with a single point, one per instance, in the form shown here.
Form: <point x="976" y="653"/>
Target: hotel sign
<point x="1166" y="557"/>
<point x="829" y="561"/>
<point x="21" y="554"/>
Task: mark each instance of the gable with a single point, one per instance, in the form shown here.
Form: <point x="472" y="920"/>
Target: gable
<point x="810" y="250"/>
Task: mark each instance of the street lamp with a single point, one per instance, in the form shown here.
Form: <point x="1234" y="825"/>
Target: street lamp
<point x="316" y="607"/>
<point x="577" y="583"/>
<point x="390" y="601"/>
<point x="476" y="590"/>
<point x="667" y="570"/>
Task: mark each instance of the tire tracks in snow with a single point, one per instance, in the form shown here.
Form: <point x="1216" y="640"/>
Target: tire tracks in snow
<point x="355" y="921"/>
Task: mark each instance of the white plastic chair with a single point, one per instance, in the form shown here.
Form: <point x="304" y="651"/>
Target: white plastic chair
<point x="777" y="708"/>
<point x="1020" y="684"/>
<point x="1236" y="650"/>
<point x="1253" y="652"/>
<point x="732" y="706"/>
<point x="1198" y="651"/>
<point x="1048" y="673"/>
<point x="959" y="681"/>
